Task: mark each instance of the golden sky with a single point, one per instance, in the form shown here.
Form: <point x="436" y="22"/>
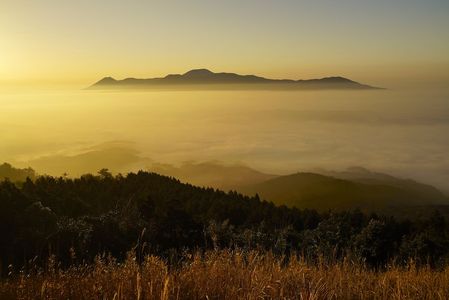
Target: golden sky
<point x="78" y="42"/>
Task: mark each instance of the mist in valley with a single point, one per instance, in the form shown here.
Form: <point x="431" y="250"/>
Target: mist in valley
<point x="193" y="135"/>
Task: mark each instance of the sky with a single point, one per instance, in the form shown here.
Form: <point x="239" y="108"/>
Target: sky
<point x="78" y="42"/>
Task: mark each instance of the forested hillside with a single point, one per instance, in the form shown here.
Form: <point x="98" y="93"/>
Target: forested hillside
<point x="315" y="191"/>
<point x="76" y="219"/>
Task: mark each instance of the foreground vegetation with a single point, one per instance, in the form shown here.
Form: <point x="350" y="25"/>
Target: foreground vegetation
<point x="226" y="274"/>
<point x="148" y="236"/>
<point x="108" y="214"/>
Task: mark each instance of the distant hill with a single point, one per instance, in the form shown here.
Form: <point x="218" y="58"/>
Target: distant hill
<point x="203" y="78"/>
<point x="315" y="191"/>
<point x="354" y="188"/>
<point x="116" y="158"/>
<point x="213" y="174"/>
<point x="15" y="174"/>
<point x="362" y="175"/>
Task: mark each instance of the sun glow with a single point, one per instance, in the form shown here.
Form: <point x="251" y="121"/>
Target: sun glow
<point x="46" y="40"/>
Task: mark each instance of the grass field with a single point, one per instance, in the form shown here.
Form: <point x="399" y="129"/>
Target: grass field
<point x="226" y="275"/>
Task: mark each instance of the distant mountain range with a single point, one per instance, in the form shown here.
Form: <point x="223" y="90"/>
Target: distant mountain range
<point x="353" y="188"/>
<point x="205" y="79"/>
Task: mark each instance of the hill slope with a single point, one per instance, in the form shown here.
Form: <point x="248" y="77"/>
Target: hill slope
<point x="362" y="175"/>
<point x="315" y="191"/>
<point x="213" y="174"/>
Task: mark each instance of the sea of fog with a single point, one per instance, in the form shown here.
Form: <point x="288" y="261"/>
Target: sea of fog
<point x="405" y="133"/>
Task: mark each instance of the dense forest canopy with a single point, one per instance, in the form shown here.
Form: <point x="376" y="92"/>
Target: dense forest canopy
<point x="103" y="213"/>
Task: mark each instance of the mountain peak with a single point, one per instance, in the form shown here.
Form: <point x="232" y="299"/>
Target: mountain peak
<point x="107" y="80"/>
<point x="198" y="73"/>
<point x="336" y="79"/>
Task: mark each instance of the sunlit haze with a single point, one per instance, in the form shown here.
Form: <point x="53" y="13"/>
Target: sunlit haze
<point x="50" y="51"/>
<point x="388" y="43"/>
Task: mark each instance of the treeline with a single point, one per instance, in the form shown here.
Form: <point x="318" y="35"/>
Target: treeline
<point x="7" y="171"/>
<point x="77" y="219"/>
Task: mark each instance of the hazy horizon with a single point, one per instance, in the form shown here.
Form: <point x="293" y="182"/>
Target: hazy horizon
<point x="278" y="132"/>
<point x="53" y="43"/>
<point x="52" y="50"/>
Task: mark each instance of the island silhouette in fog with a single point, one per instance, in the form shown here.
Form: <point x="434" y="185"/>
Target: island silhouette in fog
<point x="206" y="79"/>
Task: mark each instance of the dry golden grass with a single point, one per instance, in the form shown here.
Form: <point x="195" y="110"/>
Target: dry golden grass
<point x="227" y="275"/>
